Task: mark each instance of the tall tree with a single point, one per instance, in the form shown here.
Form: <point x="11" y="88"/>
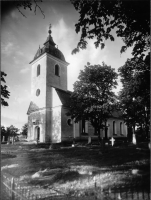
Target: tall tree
<point x="25" y="129"/>
<point x="135" y="95"/>
<point x="93" y="98"/>
<point x="4" y="92"/>
<point x="98" y="18"/>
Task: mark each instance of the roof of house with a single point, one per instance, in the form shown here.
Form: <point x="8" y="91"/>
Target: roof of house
<point x="64" y="96"/>
<point x="65" y="99"/>
<point x="32" y="107"/>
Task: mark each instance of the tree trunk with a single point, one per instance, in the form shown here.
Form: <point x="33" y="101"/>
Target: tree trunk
<point x="8" y="140"/>
<point x="13" y="139"/>
<point x="98" y="132"/>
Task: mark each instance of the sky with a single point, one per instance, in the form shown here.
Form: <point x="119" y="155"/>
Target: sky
<point x="20" y="40"/>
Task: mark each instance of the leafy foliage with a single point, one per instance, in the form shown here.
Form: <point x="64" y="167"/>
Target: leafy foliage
<point x="12" y="131"/>
<point x="8" y="132"/>
<point x="135" y="95"/>
<point x="4" y="92"/>
<point x="93" y="98"/>
<point x="98" y="18"/>
<point x="3" y="132"/>
<point x="25" y="129"/>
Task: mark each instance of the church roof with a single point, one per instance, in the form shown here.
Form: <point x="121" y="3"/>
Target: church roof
<point x="32" y="107"/>
<point x="49" y="47"/>
<point x="65" y="99"/>
<point x="64" y="96"/>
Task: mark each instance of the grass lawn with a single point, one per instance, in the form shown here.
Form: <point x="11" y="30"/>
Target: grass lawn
<point x="76" y="170"/>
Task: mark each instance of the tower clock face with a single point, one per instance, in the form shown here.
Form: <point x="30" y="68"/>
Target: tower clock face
<point x="37" y="92"/>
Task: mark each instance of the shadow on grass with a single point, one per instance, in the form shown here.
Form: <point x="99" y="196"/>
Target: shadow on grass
<point x="61" y="177"/>
<point x="6" y="156"/>
<point x="112" y="160"/>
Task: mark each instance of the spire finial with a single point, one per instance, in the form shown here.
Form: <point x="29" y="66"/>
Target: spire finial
<point x="49" y="29"/>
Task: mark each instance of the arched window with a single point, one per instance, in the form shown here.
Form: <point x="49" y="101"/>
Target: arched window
<point x="114" y="128"/>
<point x="38" y="70"/>
<point x="69" y="122"/>
<point x="83" y="126"/>
<point x="121" y="128"/>
<point x="57" y="70"/>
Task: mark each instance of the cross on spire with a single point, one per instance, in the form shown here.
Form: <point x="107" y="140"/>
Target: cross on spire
<point x="50" y="26"/>
<point x="49" y="29"/>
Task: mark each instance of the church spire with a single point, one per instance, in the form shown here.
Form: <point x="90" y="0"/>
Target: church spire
<point x="49" y="31"/>
<point x="49" y="47"/>
<point x="49" y="40"/>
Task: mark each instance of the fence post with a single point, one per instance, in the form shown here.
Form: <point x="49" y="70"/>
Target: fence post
<point x="12" y="189"/>
<point x="110" y="190"/>
<point x="119" y="196"/>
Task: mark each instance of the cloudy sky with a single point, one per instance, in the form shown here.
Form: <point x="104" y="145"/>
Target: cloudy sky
<point x="20" y="39"/>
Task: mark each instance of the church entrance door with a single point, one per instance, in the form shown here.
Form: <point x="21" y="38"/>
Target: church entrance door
<point x="38" y="133"/>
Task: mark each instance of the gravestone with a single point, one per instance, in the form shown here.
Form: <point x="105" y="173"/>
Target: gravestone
<point x="3" y="140"/>
<point x="112" y="141"/>
<point x="134" y="139"/>
<point x="89" y="140"/>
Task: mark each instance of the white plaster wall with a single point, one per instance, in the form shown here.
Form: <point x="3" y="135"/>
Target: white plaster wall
<point x="76" y="130"/>
<point x="39" y="82"/>
<point x="125" y="130"/>
<point x="86" y="127"/>
<point x="110" y="128"/>
<point x="53" y="80"/>
<point x="41" y="117"/>
<point x="56" y="125"/>
<point x="55" y="98"/>
<point x="117" y="127"/>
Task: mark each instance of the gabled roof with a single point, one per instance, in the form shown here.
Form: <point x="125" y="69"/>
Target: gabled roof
<point x="64" y="96"/>
<point x="32" y="107"/>
<point x="65" y="99"/>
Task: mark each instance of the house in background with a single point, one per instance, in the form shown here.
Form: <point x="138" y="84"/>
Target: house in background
<point x="47" y="119"/>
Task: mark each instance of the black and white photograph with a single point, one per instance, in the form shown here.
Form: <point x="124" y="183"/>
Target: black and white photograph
<point x="75" y="100"/>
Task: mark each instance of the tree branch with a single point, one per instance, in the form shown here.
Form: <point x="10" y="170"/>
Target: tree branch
<point x="21" y="12"/>
<point x="39" y="8"/>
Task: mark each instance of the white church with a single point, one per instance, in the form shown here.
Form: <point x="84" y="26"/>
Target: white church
<point x="47" y="119"/>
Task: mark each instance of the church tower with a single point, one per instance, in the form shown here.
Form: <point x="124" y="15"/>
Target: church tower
<point x="49" y="72"/>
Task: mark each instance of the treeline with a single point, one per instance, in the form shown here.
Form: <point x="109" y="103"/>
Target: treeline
<point x="11" y="133"/>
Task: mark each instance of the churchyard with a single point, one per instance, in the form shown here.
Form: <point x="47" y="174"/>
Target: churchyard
<point x="79" y="172"/>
